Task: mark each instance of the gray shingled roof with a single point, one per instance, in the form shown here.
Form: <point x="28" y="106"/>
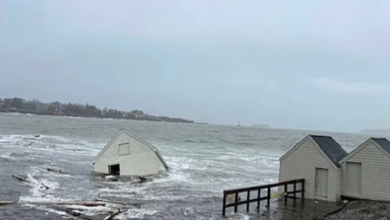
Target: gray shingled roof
<point x="331" y="148"/>
<point x="383" y="142"/>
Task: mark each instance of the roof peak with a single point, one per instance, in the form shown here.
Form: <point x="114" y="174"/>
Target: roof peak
<point x="332" y="149"/>
<point x="379" y="138"/>
<point x="382" y="142"/>
<point x="316" y="135"/>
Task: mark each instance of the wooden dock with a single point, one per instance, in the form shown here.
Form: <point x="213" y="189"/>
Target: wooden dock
<point x="266" y="204"/>
<point x="306" y="209"/>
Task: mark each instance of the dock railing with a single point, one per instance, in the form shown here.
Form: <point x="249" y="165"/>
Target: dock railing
<point x="286" y="194"/>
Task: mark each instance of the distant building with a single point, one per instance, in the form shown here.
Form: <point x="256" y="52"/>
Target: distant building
<point x="52" y="108"/>
<point x="41" y="107"/>
<point x="129" y="155"/>
<point x="137" y="113"/>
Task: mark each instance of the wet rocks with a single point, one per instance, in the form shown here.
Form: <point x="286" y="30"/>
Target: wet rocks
<point x="367" y="210"/>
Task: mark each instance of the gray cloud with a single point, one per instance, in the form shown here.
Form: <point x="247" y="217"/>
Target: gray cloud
<point x="219" y="61"/>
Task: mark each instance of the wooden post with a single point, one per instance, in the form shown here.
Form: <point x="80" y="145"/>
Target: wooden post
<point x="268" y="196"/>
<point x="248" y="197"/>
<point x="235" y="202"/>
<point x="258" y="199"/>
<point x="224" y="204"/>
<point x="295" y="189"/>
<point x="285" y="193"/>
<point x="303" y="190"/>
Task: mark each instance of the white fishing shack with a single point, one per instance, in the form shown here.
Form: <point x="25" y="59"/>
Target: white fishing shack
<point x="128" y="155"/>
<point x="315" y="158"/>
<point x="366" y="171"/>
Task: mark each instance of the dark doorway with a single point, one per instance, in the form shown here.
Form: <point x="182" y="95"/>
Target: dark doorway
<point x="114" y="169"/>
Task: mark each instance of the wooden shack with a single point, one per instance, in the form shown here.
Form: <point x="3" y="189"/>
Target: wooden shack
<point x="366" y="171"/>
<point x="127" y="155"/>
<point x="316" y="159"/>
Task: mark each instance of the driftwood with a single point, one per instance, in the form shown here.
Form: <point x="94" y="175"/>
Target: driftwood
<point x="55" y="170"/>
<point x="43" y="185"/>
<point x="21" y="178"/>
<point x="108" y="201"/>
<point x="76" y="214"/>
<point x="25" y="179"/>
<point x="111" y="178"/>
<point x="88" y="204"/>
<point x="119" y="203"/>
<point x="3" y="203"/>
<point x="142" y="179"/>
<point x="79" y="215"/>
<point x="28" y="145"/>
<point x="112" y="216"/>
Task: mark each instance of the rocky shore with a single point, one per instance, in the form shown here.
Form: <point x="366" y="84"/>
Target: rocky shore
<point x="363" y="210"/>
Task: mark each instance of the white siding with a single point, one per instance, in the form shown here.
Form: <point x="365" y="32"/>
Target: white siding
<point x="302" y="163"/>
<point x="375" y="172"/>
<point x="141" y="160"/>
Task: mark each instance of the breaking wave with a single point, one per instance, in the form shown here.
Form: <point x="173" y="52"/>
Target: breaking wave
<point x="192" y="189"/>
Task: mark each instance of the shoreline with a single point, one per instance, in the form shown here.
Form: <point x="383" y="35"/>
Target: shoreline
<point x="56" y="108"/>
<point x="155" y="119"/>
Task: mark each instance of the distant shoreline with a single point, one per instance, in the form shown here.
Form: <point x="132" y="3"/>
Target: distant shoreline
<point x="78" y="116"/>
<point x="36" y="107"/>
<point x="375" y="132"/>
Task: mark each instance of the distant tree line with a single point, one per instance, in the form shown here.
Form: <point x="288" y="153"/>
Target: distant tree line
<point x="72" y="109"/>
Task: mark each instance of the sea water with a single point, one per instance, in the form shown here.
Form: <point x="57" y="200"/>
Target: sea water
<point x="204" y="161"/>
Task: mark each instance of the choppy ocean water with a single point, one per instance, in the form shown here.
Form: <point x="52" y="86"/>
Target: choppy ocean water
<point x="204" y="160"/>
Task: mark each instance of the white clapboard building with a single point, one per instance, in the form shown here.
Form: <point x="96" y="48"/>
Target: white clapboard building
<point x="315" y="159"/>
<point x="128" y="155"/>
<point x="366" y="171"/>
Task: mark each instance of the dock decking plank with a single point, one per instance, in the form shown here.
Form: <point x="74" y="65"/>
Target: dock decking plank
<point x="292" y="210"/>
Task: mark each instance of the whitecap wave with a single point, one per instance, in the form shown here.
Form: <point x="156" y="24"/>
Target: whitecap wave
<point x="196" y="175"/>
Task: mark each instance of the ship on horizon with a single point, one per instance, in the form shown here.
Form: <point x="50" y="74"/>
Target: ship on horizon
<point x="261" y="126"/>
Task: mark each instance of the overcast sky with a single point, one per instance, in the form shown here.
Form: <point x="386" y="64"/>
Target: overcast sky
<point x="309" y="64"/>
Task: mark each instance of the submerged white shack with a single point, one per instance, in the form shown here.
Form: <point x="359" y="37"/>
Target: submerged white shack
<point x="128" y="155"/>
<point x="366" y="171"/>
<point x="315" y="158"/>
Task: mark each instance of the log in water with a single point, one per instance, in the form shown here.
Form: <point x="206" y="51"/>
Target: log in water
<point x="3" y="203"/>
<point x="89" y="204"/>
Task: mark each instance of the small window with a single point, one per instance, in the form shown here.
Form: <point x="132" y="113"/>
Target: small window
<point x="124" y="148"/>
